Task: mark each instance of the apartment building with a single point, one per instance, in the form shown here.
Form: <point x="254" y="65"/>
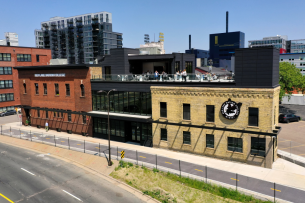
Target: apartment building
<point x="80" y="38"/>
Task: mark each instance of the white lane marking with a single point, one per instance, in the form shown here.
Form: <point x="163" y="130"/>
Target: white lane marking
<point x="72" y="195"/>
<point x="28" y="171"/>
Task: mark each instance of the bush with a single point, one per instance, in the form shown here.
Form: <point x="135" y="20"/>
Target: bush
<point x="130" y="164"/>
<point x="155" y="170"/>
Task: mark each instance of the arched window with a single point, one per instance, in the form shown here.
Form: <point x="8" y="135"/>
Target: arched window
<point x="24" y="88"/>
<point x="82" y="90"/>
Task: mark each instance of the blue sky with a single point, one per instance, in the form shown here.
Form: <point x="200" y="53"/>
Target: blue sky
<point x="175" y="18"/>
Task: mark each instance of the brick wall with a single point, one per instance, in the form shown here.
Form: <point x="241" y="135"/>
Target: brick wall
<point x="264" y="99"/>
<point x="45" y="58"/>
<point x="74" y="102"/>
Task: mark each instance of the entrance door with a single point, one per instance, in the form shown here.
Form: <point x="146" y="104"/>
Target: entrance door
<point x="135" y="132"/>
<point x="108" y="72"/>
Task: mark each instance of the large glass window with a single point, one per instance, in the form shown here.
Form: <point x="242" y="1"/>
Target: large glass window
<point x="210" y="113"/>
<point x="210" y="141"/>
<point x="163" y="109"/>
<point x="189" y="66"/>
<point x="5" y="57"/>
<point x="253" y="116"/>
<point x="123" y="102"/>
<point x="235" y="144"/>
<point x="186" y="137"/>
<point x="258" y="146"/>
<point x="7" y="97"/>
<point x="67" y="89"/>
<point x="186" y="112"/>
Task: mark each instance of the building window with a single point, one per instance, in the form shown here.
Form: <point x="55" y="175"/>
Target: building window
<point x="5" y="84"/>
<point x="5" y="57"/>
<point x="38" y="113"/>
<point x="47" y="114"/>
<point x="56" y="89"/>
<point x="7" y="97"/>
<point x="54" y="113"/>
<point x="163" y="110"/>
<point x="253" y="116"/>
<point x="186" y="112"/>
<point x="82" y="90"/>
<point x="186" y="137"/>
<point x="84" y="119"/>
<point x="67" y="89"/>
<point x="210" y="113"/>
<point x="258" y="146"/>
<point x="24" y="88"/>
<point x="69" y="116"/>
<point x="37" y="58"/>
<point x="36" y="88"/>
<point x="210" y="141"/>
<point x="24" y="57"/>
<point x="189" y="66"/>
<point x="5" y="70"/>
<point x="235" y="144"/>
<point x="45" y="89"/>
<point x="164" y="134"/>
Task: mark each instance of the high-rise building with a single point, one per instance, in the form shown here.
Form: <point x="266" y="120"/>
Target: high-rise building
<point x="80" y="38"/>
<point x="11" y="39"/>
<point x="297" y="46"/>
<point x="38" y="38"/>
<point x="279" y="41"/>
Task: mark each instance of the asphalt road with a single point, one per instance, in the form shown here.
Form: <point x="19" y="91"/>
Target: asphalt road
<point x="9" y="119"/>
<point x="256" y="185"/>
<point x="26" y="176"/>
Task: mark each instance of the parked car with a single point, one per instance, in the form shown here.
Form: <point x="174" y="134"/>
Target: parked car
<point x="288" y="118"/>
<point x="10" y="112"/>
<point x="2" y="113"/>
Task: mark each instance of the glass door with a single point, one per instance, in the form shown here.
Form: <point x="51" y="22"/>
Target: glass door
<point x="135" y="132"/>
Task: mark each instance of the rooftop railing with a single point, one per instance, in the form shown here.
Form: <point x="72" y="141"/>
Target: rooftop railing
<point x="165" y="78"/>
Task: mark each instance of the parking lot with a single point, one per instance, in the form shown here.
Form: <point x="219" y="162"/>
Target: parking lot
<point x="8" y="119"/>
<point x="292" y="138"/>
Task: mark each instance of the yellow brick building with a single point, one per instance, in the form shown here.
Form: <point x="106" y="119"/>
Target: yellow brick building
<point x="191" y="134"/>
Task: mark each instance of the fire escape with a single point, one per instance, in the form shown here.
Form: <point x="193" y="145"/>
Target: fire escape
<point x="79" y="49"/>
<point x="62" y="44"/>
<point x="54" y="41"/>
<point x="95" y="36"/>
<point x="71" y="45"/>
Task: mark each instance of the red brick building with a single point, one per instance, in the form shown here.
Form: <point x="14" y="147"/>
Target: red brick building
<point x="59" y="95"/>
<point x="17" y="56"/>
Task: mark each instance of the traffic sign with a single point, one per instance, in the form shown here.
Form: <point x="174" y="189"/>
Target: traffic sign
<point x="122" y="154"/>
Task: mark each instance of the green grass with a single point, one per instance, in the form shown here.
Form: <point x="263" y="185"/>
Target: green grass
<point x="192" y="183"/>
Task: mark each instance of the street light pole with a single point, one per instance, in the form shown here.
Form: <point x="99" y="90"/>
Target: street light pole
<point x="109" y="160"/>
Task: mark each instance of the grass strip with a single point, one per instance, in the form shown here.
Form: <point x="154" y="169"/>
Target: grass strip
<point x="165" y="187"/>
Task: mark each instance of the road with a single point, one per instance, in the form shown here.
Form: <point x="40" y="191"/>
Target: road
<point x="27" y="176"/>
<point x="256" y="185"/>
<point x="9" y="119"/>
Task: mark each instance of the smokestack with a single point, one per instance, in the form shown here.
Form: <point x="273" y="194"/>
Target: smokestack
<point x="227" y="22"/>
<point x="190" y="42"/>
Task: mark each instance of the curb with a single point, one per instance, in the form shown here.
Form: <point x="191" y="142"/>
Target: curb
<point x="291" y="158"/>
<point x="38" y="148"/>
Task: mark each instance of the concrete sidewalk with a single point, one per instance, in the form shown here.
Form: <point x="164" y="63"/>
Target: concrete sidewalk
<point x="283" y="172"/>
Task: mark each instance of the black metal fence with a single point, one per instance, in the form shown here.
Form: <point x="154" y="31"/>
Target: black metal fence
<point x="197" y="171"/>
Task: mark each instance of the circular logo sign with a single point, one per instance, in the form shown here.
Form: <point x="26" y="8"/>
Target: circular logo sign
<point x="230" y="109"/>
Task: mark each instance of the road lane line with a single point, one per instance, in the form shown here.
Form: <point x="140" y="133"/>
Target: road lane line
<point x="47" y="138"/>
<point x="275" y="190"/>
<point x="168" y="162"/>
<point x="97" y="147"/>
<point x="234" y="179"/>
<point x="142" y="157"/>
<point x="62" y="141"/>
<point x="292" y="147"/>
<point x="28" y="171"/>
<point x="301" y="154"/>
<point x="198" y="170"/>
<point x="6" y="198"/>
<point x="79" y="144"/>
<point x="72" y="195"/>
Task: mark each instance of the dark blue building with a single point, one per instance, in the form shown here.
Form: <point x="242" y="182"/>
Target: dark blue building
<point x="199" y="53"/>
<point x="223" y="45"/>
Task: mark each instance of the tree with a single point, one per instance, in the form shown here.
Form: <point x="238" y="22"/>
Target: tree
<point x="290" y="79"/>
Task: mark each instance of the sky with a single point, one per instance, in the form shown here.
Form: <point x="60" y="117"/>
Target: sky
<point x="177" y="19"/>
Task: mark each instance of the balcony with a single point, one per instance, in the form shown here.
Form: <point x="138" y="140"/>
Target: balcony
<point x="170" y="78"/>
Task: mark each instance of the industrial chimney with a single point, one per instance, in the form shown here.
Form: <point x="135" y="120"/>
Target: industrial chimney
<point x="190" y="42"/>
<point x="227" y="22"/>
